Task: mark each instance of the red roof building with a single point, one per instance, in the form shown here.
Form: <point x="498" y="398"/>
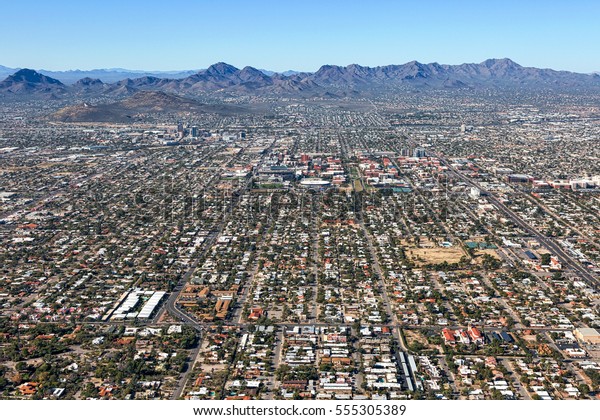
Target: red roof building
<point x="448" y="336"/>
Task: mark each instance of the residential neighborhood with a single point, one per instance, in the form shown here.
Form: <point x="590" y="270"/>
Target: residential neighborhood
<point x="322" y="253"/>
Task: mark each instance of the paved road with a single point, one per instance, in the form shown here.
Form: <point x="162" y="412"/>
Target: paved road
<point x="521" y="389"/>
<point x="185" y="375"/>
<point x="315" y="263"/>
<point x="239" y="306"/>
<point x="572" y="226"/>
<point x="171" y="304"/>
<point x="451" y="376"/>
<point x="543" y="240"/>
<point x="278" y="349"/>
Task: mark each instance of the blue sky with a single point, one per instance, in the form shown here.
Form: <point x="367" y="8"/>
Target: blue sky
<point x="299" y="35"/>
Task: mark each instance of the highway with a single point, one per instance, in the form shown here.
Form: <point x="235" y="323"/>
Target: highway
<point x="543" y="240"/>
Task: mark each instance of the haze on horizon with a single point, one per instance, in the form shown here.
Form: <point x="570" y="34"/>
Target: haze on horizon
<point x="279" y="36"/>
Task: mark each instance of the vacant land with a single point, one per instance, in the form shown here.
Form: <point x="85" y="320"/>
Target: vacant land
<point x="435" y="255"/>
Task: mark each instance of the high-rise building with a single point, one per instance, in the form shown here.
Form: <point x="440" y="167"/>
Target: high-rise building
<point x="419" y="152"/>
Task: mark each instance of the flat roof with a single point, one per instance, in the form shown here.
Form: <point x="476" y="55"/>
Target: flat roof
<point x="588" y="332"/>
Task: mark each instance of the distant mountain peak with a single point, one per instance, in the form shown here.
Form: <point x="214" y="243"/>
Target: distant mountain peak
<point x="504" y="62"/>
<point x="249" y="69"/>
<point x="32" y="76"/>
<point x="330" y="67"/>
<point x="88" y="81"/>
<point x="250" y="74"/>
<point x="221" y="69"/>
<point x="27" y="81"/>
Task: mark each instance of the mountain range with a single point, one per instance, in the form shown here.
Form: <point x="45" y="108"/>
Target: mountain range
<point x="329" y="81"/>
<point x="113" y="75"/>
<point x="106" y="75"/>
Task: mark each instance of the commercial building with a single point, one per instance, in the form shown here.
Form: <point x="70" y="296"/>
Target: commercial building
<point x="316" y="183"/>
<point x="587" y="335"/>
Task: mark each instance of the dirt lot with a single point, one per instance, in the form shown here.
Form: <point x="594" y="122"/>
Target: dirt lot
<point x="358" y="185"/>
<point x="435" y="255"/>
<point x="413" y="337"/>
<point x="481" y="252"/>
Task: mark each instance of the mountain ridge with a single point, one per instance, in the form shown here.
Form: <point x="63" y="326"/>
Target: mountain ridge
<point x="328" y="81"/>
<point x="27" y="81"/>
<point x="141" y="102"/>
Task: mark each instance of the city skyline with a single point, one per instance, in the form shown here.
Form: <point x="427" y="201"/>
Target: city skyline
<point x="280" y="37"/>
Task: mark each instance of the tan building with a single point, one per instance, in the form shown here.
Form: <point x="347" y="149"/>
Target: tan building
<point x="587" y="335"/>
